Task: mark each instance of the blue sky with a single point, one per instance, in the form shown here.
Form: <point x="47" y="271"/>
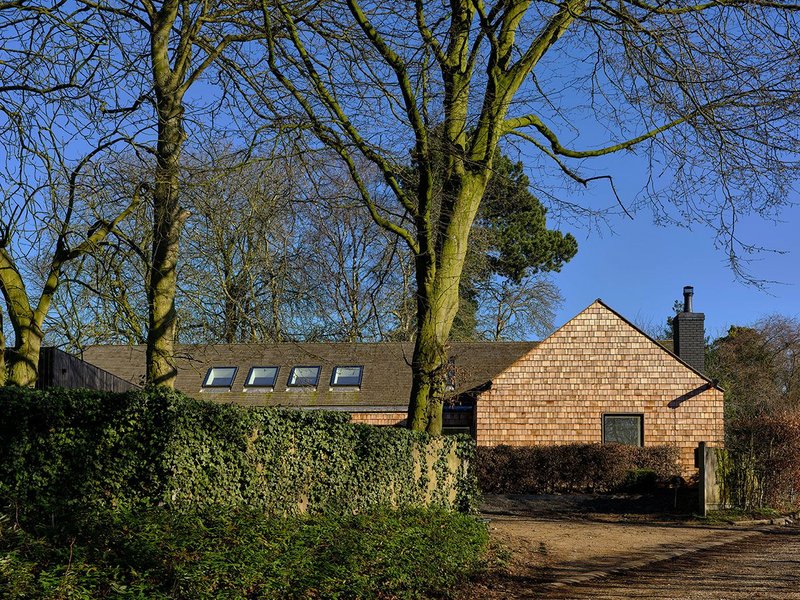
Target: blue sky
<point x="640" y="270"/>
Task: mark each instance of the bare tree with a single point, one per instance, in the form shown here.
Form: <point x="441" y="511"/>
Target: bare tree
<point x="706" y="92"/>
<point x="49" y="68"/>
<point x="355" y="264"/>
<point x="512" y="311"/>
<point x="164" y="49"/>
<point x="244" y="271"/>
<point x="103" y="299"/>
<point x="27" y="313"/>
<point x="355" y="267"/>
<point x="243" y="266"/>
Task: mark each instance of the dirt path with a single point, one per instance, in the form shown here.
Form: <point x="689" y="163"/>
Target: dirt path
<point x="544" y="540"/>
<point x="765" y="565"/>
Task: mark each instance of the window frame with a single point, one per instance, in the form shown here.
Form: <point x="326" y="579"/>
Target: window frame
<point x="303" y="385"/>
<point x="640" y="416"/>
<point x="212" y="386"/>
<point x="256" y="386"/>
<point x="346" y="385"/>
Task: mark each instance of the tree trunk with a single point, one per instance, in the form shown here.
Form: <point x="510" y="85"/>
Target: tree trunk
<point x="437" y="305"/>
<point x="2" y="352"/>
<point x="22" y="365"/>
<point x="428" y="366"/>
<point x="168" y="219"/>
<point x="275" y="307"/>
<point x="23" y="359"/>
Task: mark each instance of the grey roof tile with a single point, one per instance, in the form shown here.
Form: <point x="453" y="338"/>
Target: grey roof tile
<point x="386" y="379"/>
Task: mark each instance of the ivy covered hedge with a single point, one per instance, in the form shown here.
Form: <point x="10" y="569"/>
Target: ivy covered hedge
<point x="77" y="449"/>
<point x="573" y="468"/>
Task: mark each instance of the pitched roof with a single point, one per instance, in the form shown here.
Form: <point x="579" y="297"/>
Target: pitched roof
<point x="386" y="379"/>
<point x="666" y="345"/>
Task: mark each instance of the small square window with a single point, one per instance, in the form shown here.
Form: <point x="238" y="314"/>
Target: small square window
<point x="623" y="429"/>
<point x="262" y="377"/>
<point x="304" y="376"/>
<point x="346" y="376"/>
<point x="220" y="377"/>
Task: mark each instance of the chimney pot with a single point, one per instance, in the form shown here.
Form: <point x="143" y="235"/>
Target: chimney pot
<point x="688" y="292"/>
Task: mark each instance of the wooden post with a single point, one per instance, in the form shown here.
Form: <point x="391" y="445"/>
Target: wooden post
<point x="710" y="495"/>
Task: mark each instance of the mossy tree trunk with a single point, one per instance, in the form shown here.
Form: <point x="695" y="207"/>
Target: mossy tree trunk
<point x="22" y="365"/>
<point x="27" y="318"/>
<point x="438" y="274"/>
<point x="2" y="352"/>
<point x="180" y="51"/>
<point x="442" y="218"/>
<point x="168" y="219"/>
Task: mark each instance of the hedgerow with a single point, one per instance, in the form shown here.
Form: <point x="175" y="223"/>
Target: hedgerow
<point x="572" y="468"/>
<point x="69" y="451"/>
<point x="760" y="466"/>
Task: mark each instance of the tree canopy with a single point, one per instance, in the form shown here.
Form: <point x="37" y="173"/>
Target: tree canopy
<point x="758" y="366"/>
<point x="706" y="93"/>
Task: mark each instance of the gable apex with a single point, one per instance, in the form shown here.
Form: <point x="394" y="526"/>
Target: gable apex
<point x="599" y="302"/>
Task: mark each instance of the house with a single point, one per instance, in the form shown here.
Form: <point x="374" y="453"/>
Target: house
<point x="596" y="379"/>
<point x="600" y="379"/>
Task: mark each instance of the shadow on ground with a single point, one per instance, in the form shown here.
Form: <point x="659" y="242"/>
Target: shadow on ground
<point x="541" y="540"/>
<point x="662" y="505"/>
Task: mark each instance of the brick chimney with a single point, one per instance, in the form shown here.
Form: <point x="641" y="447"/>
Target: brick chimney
<point x="688" y="333"/>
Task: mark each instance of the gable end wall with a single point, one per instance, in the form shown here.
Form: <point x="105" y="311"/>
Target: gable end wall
<point x="595" y="364"/>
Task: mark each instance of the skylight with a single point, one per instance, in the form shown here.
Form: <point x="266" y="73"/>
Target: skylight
<point x="304" y="376"/>
<point x="346" y="376"/>
<point x="262" y="377"/>
<point x="220" y="377"/>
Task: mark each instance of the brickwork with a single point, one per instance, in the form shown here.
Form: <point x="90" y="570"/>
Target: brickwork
<point x="689" y="342"/>
<point x="596" y="364"/>
<point x="380" y="418"/>
<point x="398" y="419"/>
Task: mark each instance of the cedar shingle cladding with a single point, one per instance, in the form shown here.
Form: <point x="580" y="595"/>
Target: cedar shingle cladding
<point x="595" y="364"/>
<point x="385" y="385"/>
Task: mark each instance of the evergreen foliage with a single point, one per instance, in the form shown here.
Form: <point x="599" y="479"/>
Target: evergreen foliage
<point x="520" y="243"/>
<point x="72" y="452"/>
<point x="158" y="554"/>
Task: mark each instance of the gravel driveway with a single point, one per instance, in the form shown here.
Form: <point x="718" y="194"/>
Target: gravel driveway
<point x="550" y="544"/>
<point x="765" y="565"/>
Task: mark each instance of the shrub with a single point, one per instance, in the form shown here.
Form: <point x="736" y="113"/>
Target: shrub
<point x="572" y="468"/>
<point x="157" y="553"/>
<point x="762" y="467"/>
<point x="77" y="450"/>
